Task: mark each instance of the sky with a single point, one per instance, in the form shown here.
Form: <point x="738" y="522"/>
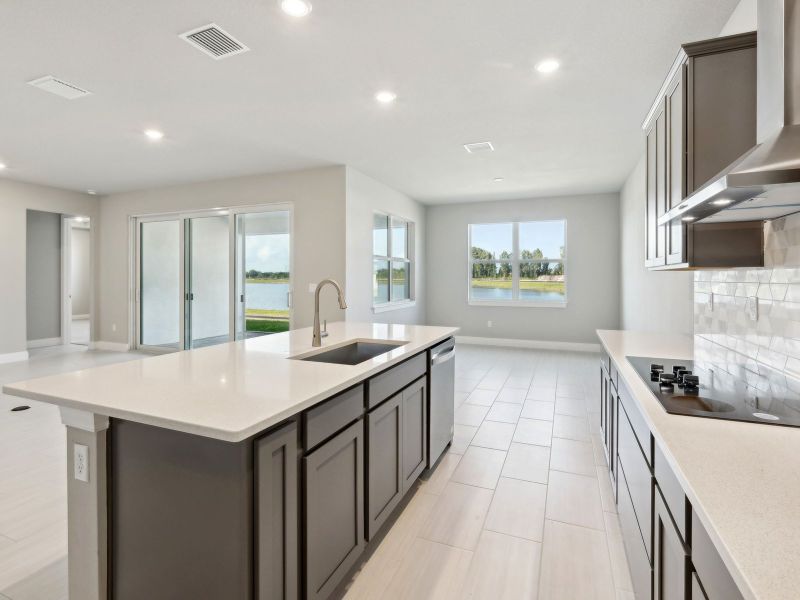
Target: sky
<point x="267" y="253"/>
<point x="548" y="236"/>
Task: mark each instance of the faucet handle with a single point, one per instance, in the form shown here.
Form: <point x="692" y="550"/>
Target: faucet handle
<point x="324" y="332"/>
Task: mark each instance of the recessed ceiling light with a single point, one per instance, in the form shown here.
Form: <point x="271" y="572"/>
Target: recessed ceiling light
<point x="476" y="147"/>
<point x="548" y="66"/>
<point x="296" y="8"/>
<point x="497" y="179"/>
<point x="385" y="97"/>
<point x="91" y="192"/>
<point x="721" y="202"/>
<point x="2" y="166"/>
<point x="689" y="218"/>
<point x="154" y="134"/>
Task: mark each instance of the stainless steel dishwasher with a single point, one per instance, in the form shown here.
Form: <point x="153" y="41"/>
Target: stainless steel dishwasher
<point x="441" y="398"/>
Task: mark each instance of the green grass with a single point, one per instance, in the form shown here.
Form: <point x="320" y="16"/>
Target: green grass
<point x="267" y="326"/>
<point x="267" y="312"/>
<point x="261" y="280"/>
<point x="525" y="284"/>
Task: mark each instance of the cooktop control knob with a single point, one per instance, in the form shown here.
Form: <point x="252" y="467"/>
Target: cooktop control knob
<point x="656" y="367"/>
<point x="681" y="374"/>
<point x="691" y="382"/>
<point x="677" y="368"/>
<point x="667" y="380"/>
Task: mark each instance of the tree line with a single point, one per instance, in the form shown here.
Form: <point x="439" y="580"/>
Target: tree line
<point x="531" y="270"/>
<point x="253" y="274"/>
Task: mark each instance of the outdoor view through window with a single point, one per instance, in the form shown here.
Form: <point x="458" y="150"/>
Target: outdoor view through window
<point x="391" y="261"/>
<point x="518" y="262"/>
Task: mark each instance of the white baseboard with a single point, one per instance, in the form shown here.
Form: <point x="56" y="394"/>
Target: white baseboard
<point x="44" y="342"/>
<point x="109" y="346"/>
<point x="13" y="357"/>
<point x="79" y="317"/>
<point x="535" y="344"/>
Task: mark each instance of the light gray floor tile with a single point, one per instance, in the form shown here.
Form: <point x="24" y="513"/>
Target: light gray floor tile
<point x="457" y="519"/>
<point x="518" y="509"/>
<point x="570" y="406"/>
<point x="504" y="412"/>
<point x="512" y="395"/>
<point x="574" y="499"/>
<point x="522" y="383"/>
<point x="470" y="414"/>
<point x="606" y="491"/>
<point x="527" y="462"/>
<point x="462" y="436"/>
<point x="482" y="397"/>
<point x="570" y="427"/>
<point x="479" y="467"/>
<point x="537" y="409"/>
<point x="430" y="570"/>
<point x="573" y="457"/>
<point x="492" y="434"/>
<point x="542" y="393"/>
<point x="434" y="482"/>
<point x="503" y="568"/>
<point x="532" y="431"/>
<point x="616" y="549"/>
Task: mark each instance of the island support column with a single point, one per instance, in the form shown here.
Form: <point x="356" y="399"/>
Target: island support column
<point x="87" y="507"/>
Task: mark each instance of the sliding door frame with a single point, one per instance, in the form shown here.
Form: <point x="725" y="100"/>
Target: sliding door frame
<point x="183" y="217"/>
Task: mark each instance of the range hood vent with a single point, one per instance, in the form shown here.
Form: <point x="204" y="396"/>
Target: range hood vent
<point x="214" y="42"/>
<point x="765" y="182"/>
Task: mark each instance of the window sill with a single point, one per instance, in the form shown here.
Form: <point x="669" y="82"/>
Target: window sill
<point x="517" y="304"/>
<point x="382" y="308"/>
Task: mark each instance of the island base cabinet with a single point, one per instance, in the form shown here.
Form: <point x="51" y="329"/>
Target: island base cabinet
<point x="671" y="564"/>
<point x="384" y="458"/>
<point x="638" y="561"/>
<point x="414" y="432"/>
<point x="334" y="511"/>
<point x="276" y="463"/>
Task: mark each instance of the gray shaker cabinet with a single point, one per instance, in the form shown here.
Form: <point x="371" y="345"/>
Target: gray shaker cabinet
<point x="671" y="563"/>
<point x="414" y="432"/>
<point x="276" y="515"/>
<point x="334" y="510"/>
<point x="384" y="462"/>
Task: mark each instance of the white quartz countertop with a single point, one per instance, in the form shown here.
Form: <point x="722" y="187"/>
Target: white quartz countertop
<point x="743" y="479"/>
<point x="230" y="391"/>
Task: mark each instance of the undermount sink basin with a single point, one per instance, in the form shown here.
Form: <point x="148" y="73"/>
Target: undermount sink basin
<point x="352" y="353"/>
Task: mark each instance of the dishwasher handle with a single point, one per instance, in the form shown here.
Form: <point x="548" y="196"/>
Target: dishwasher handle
<point x="443" y="356"/>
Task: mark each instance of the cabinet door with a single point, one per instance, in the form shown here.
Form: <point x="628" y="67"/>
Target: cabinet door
<point x="655" y="240"/>
<point x="384" y="458"/>
<point x="276" y="515"/>
<point x="414" y="428"/>
<point x="671" y="566"/>
<point x="697" y="589"/>
<point x="334" y="507"/>
<point x="676" y="163"/>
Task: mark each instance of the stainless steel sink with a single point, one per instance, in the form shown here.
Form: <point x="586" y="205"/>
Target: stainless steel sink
<point x="352" y="353"/>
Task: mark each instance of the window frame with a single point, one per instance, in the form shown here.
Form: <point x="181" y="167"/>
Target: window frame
<point x="515" y="261"/>
<point x="409" y="259"/>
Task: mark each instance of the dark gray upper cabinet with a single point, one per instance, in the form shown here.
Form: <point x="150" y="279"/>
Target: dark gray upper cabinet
<point x="276" y="515"/>
<point x="414" y="432"/>
<point x="384" y="462"/>
<point x="703" y="119"/>
<point x="334" y="510"/>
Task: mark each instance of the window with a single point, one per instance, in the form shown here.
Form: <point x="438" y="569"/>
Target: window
<point x="518" y="263"/>
<point x="391" y="260"/>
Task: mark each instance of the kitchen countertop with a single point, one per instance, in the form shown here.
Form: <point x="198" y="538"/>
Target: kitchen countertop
<point x="743" y="479"/>
<point x="229" y="391"/>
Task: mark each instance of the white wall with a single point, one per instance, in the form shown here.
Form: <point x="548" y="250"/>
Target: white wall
<point x="80" y="266"/>
<point x="592" y="269"/>
<point x="651" y="300"/>
<point x="43" y="275"/>
<point x="659" y="300"/>
<point x="15" y="199"/>
<point x="365" y="196"/>
<point x="318" y="197"/>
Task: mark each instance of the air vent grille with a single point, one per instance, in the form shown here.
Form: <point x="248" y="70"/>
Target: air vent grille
<point x="478" y="147"/>
<point x="213" y="41"/>
<point x="59" y="87"/>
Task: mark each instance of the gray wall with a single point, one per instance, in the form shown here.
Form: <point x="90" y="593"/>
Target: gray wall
<point x="80" y="271"/>
<point x="592" y="270"/>
<point x="15" y="199"/>
<point x="365" y="196"/>
<point x="651" y="300"/>
<point x="43" y="275"/>
<point x="318" y="197"/>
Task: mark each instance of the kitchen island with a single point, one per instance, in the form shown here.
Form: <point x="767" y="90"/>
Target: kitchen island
<point x="242" y="470"/>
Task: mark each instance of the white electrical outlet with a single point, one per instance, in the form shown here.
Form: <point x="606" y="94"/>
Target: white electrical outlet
<point x="488" y="323"/>
<point x="80" y="459"/>
<point x="751" y="308"/>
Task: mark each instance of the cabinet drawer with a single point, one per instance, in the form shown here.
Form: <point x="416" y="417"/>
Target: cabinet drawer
<point x="638" y="562"/>
<point x="672" y="491"/>
<point x="388" y="383"/>
<point x="322" y="421"/>
<point x="717" y="581"/>
<point x="638" y="424"/>
<point x="639" y="479"/>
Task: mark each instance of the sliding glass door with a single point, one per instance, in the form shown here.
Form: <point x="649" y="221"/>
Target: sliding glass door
<point x="263" y="273"/>
<point x="206" y="278"/>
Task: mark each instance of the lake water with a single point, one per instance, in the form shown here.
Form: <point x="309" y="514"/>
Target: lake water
<point x="271" y="296"/>
<point x="500" y="294"/>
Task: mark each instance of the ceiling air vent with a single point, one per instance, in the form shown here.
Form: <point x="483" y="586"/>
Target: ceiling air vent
<point x="213" y="41"/>
<point x="59" y="87"/>
<point x="478" y="147"/>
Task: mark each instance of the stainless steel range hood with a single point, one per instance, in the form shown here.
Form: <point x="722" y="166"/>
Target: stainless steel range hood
<point x="765" y="182"/>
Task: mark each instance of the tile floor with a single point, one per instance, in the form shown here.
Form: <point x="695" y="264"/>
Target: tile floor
<point x="519" y="507"/>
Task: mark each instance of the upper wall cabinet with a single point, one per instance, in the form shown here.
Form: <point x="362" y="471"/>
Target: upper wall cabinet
<point x="703" y="119"/>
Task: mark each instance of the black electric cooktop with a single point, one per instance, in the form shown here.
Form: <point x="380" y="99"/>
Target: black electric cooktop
<point x="700" y="389"/>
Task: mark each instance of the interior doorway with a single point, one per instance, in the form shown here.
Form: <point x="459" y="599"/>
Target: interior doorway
<point x="79" y="282"/>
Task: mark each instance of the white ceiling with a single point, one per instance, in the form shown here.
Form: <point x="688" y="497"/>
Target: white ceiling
<point x="303" y="96"/>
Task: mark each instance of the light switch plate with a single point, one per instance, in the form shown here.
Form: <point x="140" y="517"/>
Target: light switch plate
<point x="751" y="308"/>
<point x="80" y="460"/>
